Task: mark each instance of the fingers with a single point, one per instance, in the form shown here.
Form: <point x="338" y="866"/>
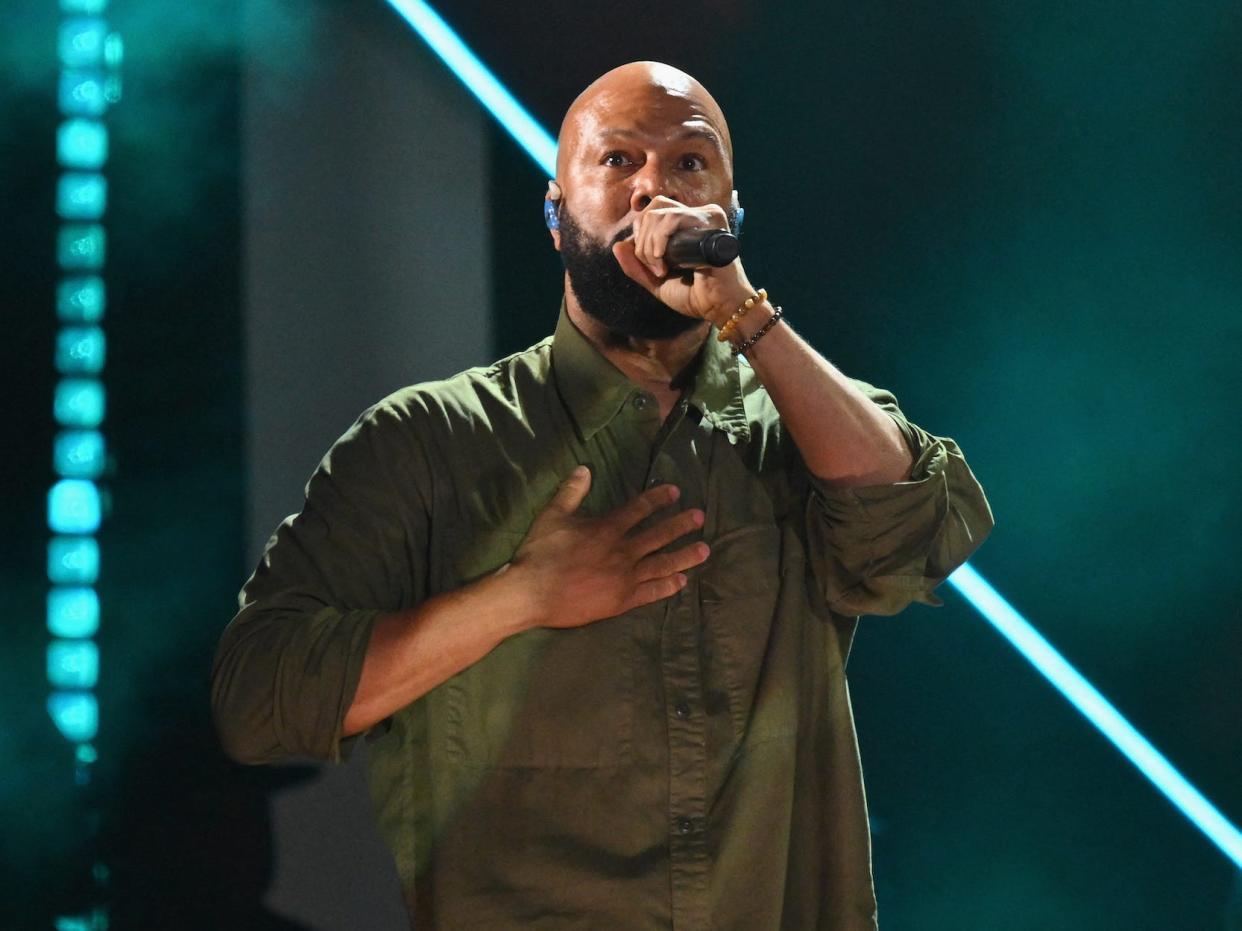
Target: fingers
<point x="656" y="590"/>
<point x="666" y="531"/>
<point x="642" y="506"/>
<point x="664" y="565"/>
<point x="572" y="492"/>
<point x="627" y="258"/>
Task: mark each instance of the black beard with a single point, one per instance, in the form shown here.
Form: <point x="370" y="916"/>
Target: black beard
<point x="611" y="296"/>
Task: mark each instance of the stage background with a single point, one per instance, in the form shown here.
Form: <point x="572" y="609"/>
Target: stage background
<point x="1026" y="220"/>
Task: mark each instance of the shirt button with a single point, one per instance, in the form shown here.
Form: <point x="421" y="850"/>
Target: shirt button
<point x="682" y="709"/>
<point x="641" y="402"/>
<point x="684" y="825"/>
<point x="654" y="480"/>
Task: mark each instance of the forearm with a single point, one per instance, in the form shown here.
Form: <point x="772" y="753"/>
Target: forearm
<point x="844" y="438"/>
<point x="411" y="652"/>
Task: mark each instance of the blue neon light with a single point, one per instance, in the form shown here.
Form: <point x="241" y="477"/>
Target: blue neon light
<point x="72" y="611"/>
<point x="480" y="81"/>
<point x="81" y="246"/>
<point x="82" y="144"/>
<point x="73" y="664"/>
<point x="76" y="715"/>
<point x="1097" y="709"/>
<point x="79" y="402"/>
<point x="73" y="561"/>
<point x="79" y="454"/>
<point x="81" y="93"/>
<point x="74" y="506"/>
<point x="81" y="300"/>
<point x="80" y="350"/>
<point x="81" y="196"/>
<point x="81" y="42"/>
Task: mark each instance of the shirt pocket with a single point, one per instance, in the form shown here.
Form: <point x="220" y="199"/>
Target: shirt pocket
<point x="748" y="594"/>
<point x="545" y="698"/>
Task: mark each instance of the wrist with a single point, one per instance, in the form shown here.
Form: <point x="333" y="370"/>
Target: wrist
<point x="517" y="594"/>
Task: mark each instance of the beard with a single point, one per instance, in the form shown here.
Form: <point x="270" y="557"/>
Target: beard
<point x="611" y="296"/>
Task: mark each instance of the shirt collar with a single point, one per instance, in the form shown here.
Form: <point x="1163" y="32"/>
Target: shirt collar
<point x="594" y="389"/>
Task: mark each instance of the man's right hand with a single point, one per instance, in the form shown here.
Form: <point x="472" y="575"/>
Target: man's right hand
<point x="581" y="569"/>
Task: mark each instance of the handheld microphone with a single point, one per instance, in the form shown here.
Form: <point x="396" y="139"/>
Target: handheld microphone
<point x="690" y="249"/>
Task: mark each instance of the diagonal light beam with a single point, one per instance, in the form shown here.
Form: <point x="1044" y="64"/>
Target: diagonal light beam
<point x="1098" y="710"/>
<point x="982" y="596"/>
<point x="511" y="115"/>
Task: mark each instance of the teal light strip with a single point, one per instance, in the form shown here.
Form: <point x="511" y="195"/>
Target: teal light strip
<point x="985" y="599"/>
<point x="1098" y="710"/>
<point x="481" y="82"/>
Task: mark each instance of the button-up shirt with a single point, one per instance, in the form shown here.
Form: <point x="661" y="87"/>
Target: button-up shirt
<point x="687" y="765"/>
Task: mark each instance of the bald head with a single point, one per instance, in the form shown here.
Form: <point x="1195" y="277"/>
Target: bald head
<point x="644" y="94"/>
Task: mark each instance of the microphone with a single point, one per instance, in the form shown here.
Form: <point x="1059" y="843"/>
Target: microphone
<point x="689" y="249"/>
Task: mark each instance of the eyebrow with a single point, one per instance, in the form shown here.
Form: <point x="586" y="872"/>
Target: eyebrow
<point x="707" y="134"/>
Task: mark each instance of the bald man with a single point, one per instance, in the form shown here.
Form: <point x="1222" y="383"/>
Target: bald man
<point x="591" y="606"/>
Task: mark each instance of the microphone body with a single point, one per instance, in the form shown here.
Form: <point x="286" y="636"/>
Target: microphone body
<point x="690" y="249"/>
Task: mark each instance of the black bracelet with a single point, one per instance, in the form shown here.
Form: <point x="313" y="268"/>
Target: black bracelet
<point x="755" y="336"/>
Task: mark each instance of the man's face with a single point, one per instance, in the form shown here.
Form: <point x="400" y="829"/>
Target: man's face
<point x="636" y="133"/>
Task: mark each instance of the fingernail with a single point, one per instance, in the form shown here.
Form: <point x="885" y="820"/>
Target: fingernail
<point x="699" y="517"/>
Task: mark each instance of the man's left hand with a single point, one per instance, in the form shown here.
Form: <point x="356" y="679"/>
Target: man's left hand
<point x="705" y="293"/>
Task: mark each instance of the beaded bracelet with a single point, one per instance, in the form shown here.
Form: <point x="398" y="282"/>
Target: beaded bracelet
<point x="758" y="334"/>
<point x="727" y="330"/>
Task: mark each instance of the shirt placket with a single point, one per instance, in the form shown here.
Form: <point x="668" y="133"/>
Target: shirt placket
<point x="673" y="461"/>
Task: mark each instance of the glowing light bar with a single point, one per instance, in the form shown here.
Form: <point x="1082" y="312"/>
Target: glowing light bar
<point x="79" y="454"/>
<point x="540" y="146"/>
<point x="82" y="144"/>
<point x="81" y="300"/>
<point x="80" y="350"/>
<point x="74" y="506"/>
<point x="1097" y="709"/>
<point x="480" y="81"/>
<point x="72" y="611"/>
<point x="73" y="561"/>
<point x="73" y="664"/>
<point x="79" y="402"/>
<point x="81" y="196"/>
<point x="76" y="715"/>
<point x="81" y="246"/>
<point x="81" y="42"/>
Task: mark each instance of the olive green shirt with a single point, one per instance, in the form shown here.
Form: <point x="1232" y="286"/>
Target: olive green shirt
<point x="690" y="764"/>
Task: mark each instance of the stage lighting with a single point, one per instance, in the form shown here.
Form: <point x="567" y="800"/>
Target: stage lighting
<point x="72" y="664"/>
<point x="81" y="196"/>
<point x="83" y="6"/>
<point x="82" y="144"/>
<point x="75" y="714"/>
<point x="73" y="506"/>
<point x="79" y="402"/>
<point x="81" y="246"/>
<point x="79" y="454"/>
<point x="72" y="611"/>
<point x="81" y="93"/>
<point x="72" y="561"/>
<point x="80" y="300"/>
<point x="80" y="350"/>
<point x="81" y="42"/>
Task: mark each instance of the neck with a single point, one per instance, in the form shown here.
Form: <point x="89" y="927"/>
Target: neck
<point x="656" y="365"/>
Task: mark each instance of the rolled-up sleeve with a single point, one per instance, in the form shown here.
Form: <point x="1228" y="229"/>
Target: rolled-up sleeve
<point x="288" y="664"/>
<point x="875" y="549"/>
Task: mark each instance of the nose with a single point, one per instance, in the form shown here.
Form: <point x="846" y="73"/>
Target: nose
<point x="647" y="183"/>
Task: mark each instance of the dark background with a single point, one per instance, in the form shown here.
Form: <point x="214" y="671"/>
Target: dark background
<point x="1025" y="219"/>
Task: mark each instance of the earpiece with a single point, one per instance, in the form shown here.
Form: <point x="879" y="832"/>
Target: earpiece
<point x="737" y="214"/>
<point x="552" y="207"/>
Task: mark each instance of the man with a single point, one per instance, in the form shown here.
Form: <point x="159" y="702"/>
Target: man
<point x="591" y="606"/>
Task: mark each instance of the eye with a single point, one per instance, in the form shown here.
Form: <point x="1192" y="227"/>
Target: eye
<point x="616" y="160"/>
<point x="693" y="162"/>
